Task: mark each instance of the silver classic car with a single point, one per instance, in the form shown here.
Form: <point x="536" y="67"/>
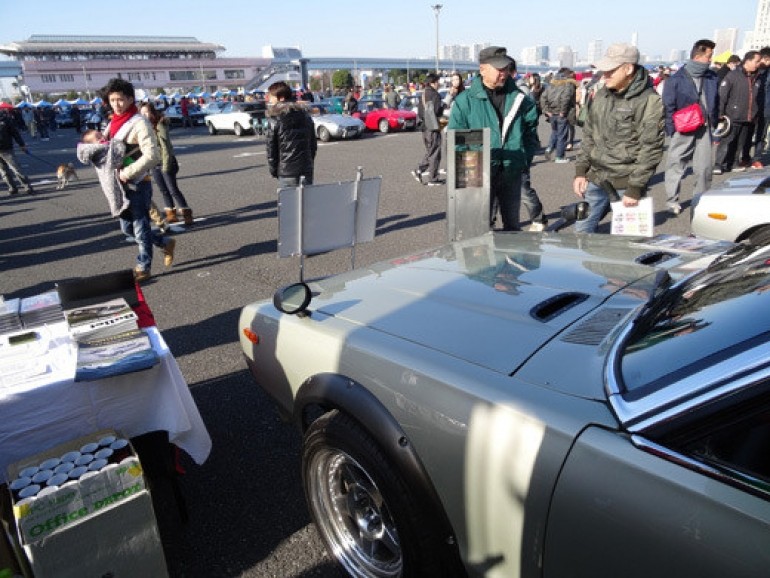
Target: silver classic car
<point x="523" y="404"/>
<point x="329" y="125"/>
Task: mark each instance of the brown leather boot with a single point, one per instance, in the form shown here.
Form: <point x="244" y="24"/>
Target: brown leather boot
<point x="156" y="218"/>
<point x="171" y="215"/>
<point x="187" y="216"/>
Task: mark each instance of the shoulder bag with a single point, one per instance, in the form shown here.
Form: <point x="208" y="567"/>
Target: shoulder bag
<point x="690" y="118"/>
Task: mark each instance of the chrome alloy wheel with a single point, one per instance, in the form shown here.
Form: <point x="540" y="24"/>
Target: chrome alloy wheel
<point x="353" y="516"/>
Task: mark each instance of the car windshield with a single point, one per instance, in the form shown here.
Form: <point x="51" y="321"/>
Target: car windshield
<point x="711" y="316"/>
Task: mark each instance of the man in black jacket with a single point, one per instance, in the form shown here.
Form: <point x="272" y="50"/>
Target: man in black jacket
<point x="741" y="97"/>
<point x="291" y="138"/>
<point x="430" y="110"/>
<point x="8" y="164"/>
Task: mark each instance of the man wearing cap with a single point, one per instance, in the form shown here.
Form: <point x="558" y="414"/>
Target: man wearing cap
<point x="623" y="136"/>
<point x="494" y="101"/>
<point x="693" y="82"/>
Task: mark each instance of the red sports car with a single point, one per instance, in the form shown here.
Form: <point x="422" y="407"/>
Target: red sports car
<point x="377" y="117"/>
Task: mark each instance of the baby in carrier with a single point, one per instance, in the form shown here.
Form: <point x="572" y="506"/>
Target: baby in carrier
<point x="108" y="157"/>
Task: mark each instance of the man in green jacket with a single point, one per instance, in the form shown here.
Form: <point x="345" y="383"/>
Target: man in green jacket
<point x="493" y="100"/>
<point x="623" y="136"/>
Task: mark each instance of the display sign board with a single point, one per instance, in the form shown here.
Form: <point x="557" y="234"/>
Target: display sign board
<point x="314" y="219"/>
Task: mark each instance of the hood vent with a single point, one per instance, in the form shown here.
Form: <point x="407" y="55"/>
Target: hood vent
<point x="654" y="258"/>
<point x="594" y="329"/>
<point x="556" y="305"/>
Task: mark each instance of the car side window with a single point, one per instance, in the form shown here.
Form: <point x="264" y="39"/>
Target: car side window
<point x="734" y="440"/>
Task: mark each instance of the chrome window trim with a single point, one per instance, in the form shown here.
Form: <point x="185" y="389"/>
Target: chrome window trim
<point x="735" y="478"/>
<point x="666" y="404"/>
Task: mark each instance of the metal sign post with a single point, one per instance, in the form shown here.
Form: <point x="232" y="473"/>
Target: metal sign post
<point x="468" y="183"/>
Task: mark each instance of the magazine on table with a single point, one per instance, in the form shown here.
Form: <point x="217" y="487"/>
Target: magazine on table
<point x="101" y="320"/>
<point x="115" y="355"/>
<point x="39" y="310"/>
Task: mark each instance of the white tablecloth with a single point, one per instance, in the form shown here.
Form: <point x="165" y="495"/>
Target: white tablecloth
<point x="38" y="415"/>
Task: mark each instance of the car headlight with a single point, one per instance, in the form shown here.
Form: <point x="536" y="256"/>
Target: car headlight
<point x="401" y="120"/>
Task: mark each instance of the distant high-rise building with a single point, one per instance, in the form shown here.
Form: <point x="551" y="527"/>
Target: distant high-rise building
<point x="534" y="55"/>
<point x="566" y="56"/>
<point x="726" y="39"/>
<point x="678" y="55"/>
<point x="595" y="51"/>
<point x="461" y="51"/>
<point x="529" y="56"/>
<point x="634" y="39"/>
<point x="760" y="36"/>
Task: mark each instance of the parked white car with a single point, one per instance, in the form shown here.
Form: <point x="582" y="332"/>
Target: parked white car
<point x="237" y="117"/>
<point x="737" y="210"/>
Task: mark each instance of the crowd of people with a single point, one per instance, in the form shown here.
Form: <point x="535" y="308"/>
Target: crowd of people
<point x="625" y="111"/>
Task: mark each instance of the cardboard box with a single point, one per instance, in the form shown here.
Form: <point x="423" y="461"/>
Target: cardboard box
<point x="99" y="526"/>
<point x="122" y="540"/>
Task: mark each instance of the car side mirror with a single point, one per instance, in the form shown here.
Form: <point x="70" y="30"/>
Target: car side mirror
<point x="292" y="299"/>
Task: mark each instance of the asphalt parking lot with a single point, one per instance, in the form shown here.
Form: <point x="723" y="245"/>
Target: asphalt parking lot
<point x="247" y="512"/>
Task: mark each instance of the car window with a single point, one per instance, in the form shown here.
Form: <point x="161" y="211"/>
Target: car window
<point x="707" y="320"/>
<point x="734" y="439"/>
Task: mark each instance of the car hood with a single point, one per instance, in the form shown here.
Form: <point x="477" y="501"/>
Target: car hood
<point x="495" y="300"/>
<point x="339" y="119"/>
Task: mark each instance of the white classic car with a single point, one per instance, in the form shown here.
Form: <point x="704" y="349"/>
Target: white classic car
<point x="237" y="117"/>
<point x="737" y="210"/>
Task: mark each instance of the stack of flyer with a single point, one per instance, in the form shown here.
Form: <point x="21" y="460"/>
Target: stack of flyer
<point x="109" y="340"/>
<point x="94" y="322"/>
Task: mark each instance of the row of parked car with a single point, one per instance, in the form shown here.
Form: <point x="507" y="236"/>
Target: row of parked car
<point x="242" y="118"/>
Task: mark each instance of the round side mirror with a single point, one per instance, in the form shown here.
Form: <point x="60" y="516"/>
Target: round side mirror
<point x="292" y="299"/>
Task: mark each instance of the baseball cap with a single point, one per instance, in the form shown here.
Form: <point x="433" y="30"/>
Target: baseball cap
<point x="497" y="56"/>
<point x="616" y="55"/>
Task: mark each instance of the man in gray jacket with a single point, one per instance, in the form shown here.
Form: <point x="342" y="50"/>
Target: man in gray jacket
<point x="557" y="101"/>
<point x="622" y="137"/>
<point x="430" y="110"/>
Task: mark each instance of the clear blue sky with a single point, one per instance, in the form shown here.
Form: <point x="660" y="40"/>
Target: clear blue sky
<point x="397" y="28"/>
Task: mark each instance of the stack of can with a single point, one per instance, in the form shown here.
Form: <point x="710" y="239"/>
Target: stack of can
<point x="51" y="474"/>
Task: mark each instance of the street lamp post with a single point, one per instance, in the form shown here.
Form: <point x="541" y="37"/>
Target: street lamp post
<point x="437" y="9"/>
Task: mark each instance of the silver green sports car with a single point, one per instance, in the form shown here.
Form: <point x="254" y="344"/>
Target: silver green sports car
<point x="532" y="404"/>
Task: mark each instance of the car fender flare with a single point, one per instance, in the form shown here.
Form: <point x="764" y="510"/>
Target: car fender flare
<point x="330" y="391"/>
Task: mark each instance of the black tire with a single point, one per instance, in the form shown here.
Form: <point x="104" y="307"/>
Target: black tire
<point x="323" y="134"/>
<point x="760" y="236"/>
<point x="384" y="125"/>
<point x="349" y="482"/>
<point x="211" y="128"/>
<point x="238" y="129"/>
